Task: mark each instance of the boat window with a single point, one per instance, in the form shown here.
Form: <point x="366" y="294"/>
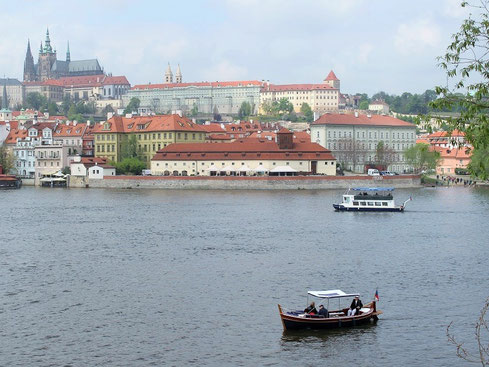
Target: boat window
<point x="370" y="203"/>
<point x="362" y="203"/>
<point x="377" y="203"/>
<point x="355" y="203"/>
<point x="384" y="204"/>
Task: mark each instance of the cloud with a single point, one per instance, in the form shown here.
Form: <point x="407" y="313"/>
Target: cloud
<point x="225" y="70"/>
<point x="364" y="52"/>
<point x="416" y="36"/>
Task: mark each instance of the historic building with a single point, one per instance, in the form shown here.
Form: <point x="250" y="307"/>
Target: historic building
<point x="320" y="97"/>
<point x="244" y="157"/>
<point x="354" y="140"/>
<point x="49" y="67"/>
<point x="151" y="133"/>
<point x="15" y="91"/>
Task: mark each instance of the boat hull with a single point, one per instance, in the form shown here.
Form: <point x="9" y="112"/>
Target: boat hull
<point x="342" y="208"/>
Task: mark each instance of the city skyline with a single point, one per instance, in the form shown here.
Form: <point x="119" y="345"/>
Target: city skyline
<point x="388" y="47"/>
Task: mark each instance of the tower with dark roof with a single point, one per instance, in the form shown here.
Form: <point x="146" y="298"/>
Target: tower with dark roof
<point x="68" y="55"/>
<point x="47" y="57"/>
<point x="29" y="70"/>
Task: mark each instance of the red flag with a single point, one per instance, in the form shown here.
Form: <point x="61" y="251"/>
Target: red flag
<point x="376" y="295"/>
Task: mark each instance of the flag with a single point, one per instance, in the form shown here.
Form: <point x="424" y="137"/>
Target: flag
<point x="376" y="295"/>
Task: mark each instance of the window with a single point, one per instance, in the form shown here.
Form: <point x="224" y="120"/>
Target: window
<point x="370" y="203"/>
<point x="377" y="203"/>
<point x="362" y="203"/>
<point x="384" y="203"/>
<point x="355" y="203"/>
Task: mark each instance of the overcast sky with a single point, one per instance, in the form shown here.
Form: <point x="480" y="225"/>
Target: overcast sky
<point x="371" y="45"/>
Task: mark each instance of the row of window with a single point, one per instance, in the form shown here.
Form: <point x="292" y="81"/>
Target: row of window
<point x="370" y="135"/>
<point x="370" y="203"/>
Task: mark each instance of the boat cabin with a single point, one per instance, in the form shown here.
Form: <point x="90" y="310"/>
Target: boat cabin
<point x="369" y="197"/>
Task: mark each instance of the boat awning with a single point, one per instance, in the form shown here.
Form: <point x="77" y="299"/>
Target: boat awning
<point x="212" y="168"/>
<point x="372" y="189"/>
<point x="52" y="179"/>
<point x="244" y="168"/>
<point x="335" y="293"/>
<point x="228" y="169"/>
<point x="260" y="168"/>
<point x="283" y="169"/>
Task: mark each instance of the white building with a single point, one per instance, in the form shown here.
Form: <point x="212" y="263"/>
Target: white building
<point x="353" y="139"/>
<point x="98" y="172"/>
<point x="379" y="107"/>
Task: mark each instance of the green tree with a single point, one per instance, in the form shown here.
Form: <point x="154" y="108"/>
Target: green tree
<point x="285" y="106"/>
<point x="420" y="157"/>
<point x="7" y="159"/>
<point x="35" y="100"/>
<point x="74" y="115"/>
<point x="195" y="110"/>
<point x="133" y="105"/>
<point x="266" y="106"/>
<point x="244" y="110"/>
<point x="129" y="147"/>
<point x="130" y="165"/>
<point x="52" y="108"/>
<point x="384" y="156"/>
<point x="307" y="112"/>
<point x="466" y="63"/>
<point x="363" y="105"/>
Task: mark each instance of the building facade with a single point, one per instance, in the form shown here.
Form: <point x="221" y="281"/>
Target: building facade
<point x="320" y="97"/>
<point x="206" y="97"/>
<point x="148" y="134"/>
<point x="354" y="140"/>
<point x="15" y="91"/>
<point x="244" y="157"/>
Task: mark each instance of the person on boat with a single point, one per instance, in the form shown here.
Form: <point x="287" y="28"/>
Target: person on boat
<point x="311" y="310"/>
<point x="355" y="306"/>
<point x="323" y="311"/>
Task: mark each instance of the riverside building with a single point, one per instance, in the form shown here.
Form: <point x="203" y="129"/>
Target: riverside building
<point x="354" y="138"/>
<point x="151" y="134"/>
<point x="245" y="157"/>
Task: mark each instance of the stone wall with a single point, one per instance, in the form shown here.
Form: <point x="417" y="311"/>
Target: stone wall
<point x="248" y="183"/>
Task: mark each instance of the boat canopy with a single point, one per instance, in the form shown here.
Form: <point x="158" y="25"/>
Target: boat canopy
<point x="335" y="293"/>
<point x="372" y="189"/>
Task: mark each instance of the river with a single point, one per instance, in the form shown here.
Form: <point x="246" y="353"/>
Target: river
<point x="94" y="277"/>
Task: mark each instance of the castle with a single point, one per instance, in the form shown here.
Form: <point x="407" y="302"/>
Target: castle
<point x="49" y="67"/>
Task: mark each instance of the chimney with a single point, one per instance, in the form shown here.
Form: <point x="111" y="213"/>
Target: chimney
<point x="356" y="114"/>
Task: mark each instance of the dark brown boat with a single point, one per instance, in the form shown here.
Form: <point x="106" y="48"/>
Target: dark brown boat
<point x="294" y="320"/>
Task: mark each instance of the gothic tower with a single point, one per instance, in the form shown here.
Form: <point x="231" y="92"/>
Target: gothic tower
<point x="47" y="57"/>
<point x="29" y="70"/>
<point x="168" y="75"/>
<point x="178" y="75"/>
<point x="68" y="55"/>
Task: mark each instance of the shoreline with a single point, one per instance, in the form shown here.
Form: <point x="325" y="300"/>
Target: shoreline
<point x="245" y="182"/>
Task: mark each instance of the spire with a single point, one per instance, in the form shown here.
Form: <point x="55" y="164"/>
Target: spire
<point x="168" y="75"/>
<point x="68" y="55"/>
<point x="47" y="42"/>
<point x="4" y="97"/>
<point x="178" y="75"/>
<point x="29" y="70"/>
<point x="28" y="54"/>
<point x="40" y="49"/>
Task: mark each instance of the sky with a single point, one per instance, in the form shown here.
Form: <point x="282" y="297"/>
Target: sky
<point x="372" y="46"/>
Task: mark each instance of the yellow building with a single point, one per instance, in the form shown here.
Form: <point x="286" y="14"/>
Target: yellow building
<point x="151" y="133"/>
<point x="321" y="98"/>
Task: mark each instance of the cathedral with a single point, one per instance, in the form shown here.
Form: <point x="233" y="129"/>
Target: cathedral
<point x="49" y="67"/>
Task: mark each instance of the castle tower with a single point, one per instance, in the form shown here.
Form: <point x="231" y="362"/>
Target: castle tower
<point x="68" y="55"/>
<point x="29" y="70"/>
<point x="168" y="75"/>
<point x="332" y="80"/>
<point x="47" y="57"/>
<point x="178" y="75"/>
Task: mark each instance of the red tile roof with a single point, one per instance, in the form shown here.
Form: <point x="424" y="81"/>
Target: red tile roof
<point x="350" y="119"/>
<point x="213" y="128"/>
<point x="117" y="80"/>
<point x="64" y="130"/>
<point x="331" y="76"/>
<point x="143" y="124"/>
<point x="295" y="87"/>
<point x="243" y="149"/>
<point x="245" y="83"/>
<point x="15" y="134"/>
<point x="90" y="81"/>
<point x="456" y="153"/>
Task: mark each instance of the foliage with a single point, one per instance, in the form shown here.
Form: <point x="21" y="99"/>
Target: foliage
<point x="421" y="158"/>
<point x="307" y="112"/>
<point x="384" y="156"/>
<point x="66" y="170"/>
<point x="216" y="115"/>
<point x="363" y="105"/>
<point x="466" y="63"/>
<point x="244" y="110"/>
<point x="195" y="110"/>
<point x="133" y="105"/>
<point x="52" y="108"/>
<point x="481" y="330"/>
<point x="129" y="147"/>
<point x="35" y="101"/>
<point x="108" y="108"/>
<point x="130" y="166"/>
<point x="7" y="158"/>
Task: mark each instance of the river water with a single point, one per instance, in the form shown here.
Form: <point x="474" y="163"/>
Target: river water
<point x="94" y="277"/>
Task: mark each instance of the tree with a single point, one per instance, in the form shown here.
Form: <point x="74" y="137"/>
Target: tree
<point x="481" y="331"/>
<point x="421" y="158"/>
<point x="73" y="114"/>
<point x="266" y="106"/>
<point x="129" y="147"/>
<point x="108" y="108"/>
<point x="217" y="115"/>
<point x="155" y="105"/>
<point x="350" y="153"/>
<point x="7" y="158"/>
<point x="285" y="106"/>
<point x="52" y="108"/>
<point x="384" y="156"/>
<point x="363" y="105"/>
<point x="307" y="112"/>
<point x="466" y="63"/>
<point x="195" y="110"/>
<point x="35" y="100"/>
<point x="130" y="166"/>
<point x="133" y="105"/>
<point x="244" y="110"/>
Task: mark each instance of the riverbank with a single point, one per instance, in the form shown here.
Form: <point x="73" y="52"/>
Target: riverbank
<point x="245" y="183"/>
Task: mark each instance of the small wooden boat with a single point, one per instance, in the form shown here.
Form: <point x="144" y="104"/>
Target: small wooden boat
<point x="338" y="318"/>
<point x="370" y="199"/>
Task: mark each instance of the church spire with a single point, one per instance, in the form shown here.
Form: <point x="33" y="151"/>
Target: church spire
<point x="29" y="71"/>
<point x="68" y="55"/>
<point x="40" y="49"/>
<point x="168" y="75"/>
<point x="47" y="42"/>
<point x="178" y="75"/>
<point x="4" y="97"/>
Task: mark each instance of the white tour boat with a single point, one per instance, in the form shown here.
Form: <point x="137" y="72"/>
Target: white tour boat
<point x="370" y="199"/>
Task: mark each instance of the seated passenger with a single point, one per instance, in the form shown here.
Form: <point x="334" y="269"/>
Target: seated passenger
<point x="355" y="306"/>
<point x="311" y="310"/>
<point x="323" y="311"/>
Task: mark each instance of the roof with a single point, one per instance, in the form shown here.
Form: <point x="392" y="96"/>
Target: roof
<point x="331" y="76"/>
<point x="335" y="293"/>
<point x="15" y="134"/>
<point x="213" y="128"/>
<point x="243" y="83"/>
<point x="350" y="119"/>
<point x="84" y="65"/>
<point x="115" y="80"/>
<point x="142" y="124"/>
<point x="69" y="130"/>
<point x="243" y="149"/>
<point x="287" y="87"/>
<point x="9" y="81"/>
<point x="443" y="134"/>
<point x="456" y="153"/>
